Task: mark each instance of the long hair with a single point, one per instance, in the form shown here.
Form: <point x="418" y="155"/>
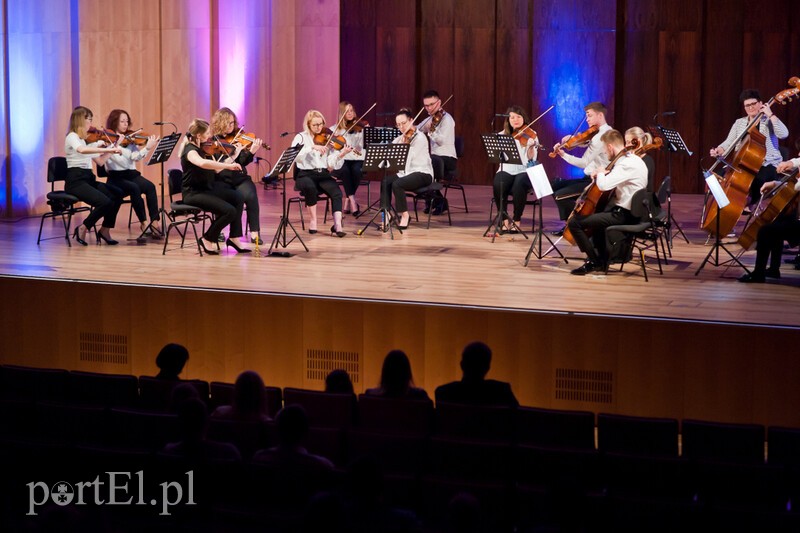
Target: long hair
<point x="396" y="376"/>
<point x="113" y="119"/>
<point x="311" y="115"/>
<point x="220" y="118"/>
<point x="196" y="127"/>
<point x="643" y="137"/>
<point x="77" y="120"/>
<point x="343" y="105"/>
<point x="518" y="110"/>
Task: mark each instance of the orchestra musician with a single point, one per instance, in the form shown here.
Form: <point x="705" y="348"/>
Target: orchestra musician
<point x="644" y="139"/>
<point x="770" y="126"/>
<point x="314" y="164"/>
<point x="565" y="191"/>
<point x="350" y="173"/>
<point x="199" y="170"/>
<point x="418" y="171"/>
<point x="628" y="175"/>
<point x="513" y="179"/>
<point x="80" y="181"/>
<point x="769" y="245"/>
<point x="225" y="125"/>
<point x="440" y="127"/>
<point x="122" y="172"/>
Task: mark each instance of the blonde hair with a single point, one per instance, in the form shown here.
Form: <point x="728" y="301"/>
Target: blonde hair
<point x="220" y="118"/>
<point x="311" y="115"/>
<point x="77" y="120"/>
<point x="644" y="137"/>
<point x="613" y="137"/>
<point x="196" y="127"/>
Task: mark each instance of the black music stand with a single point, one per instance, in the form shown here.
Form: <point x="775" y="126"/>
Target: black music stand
<point x="161" y="154"/>
<point x="500" y="149"/>
<point x="719" y="197"/>
<point x="388" y="158"/>
<point x="373" y="135"/>
<point x="281" y="168"/>
<point x="673" y="142"/>
<point x="538" y="239"/>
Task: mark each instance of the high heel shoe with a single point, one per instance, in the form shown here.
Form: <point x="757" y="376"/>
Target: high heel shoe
<point x="312" y="231"/>
<point x="101" y="237"/>
<point x="202" y="246"/>
<point x="256" y="240"/>
<point x="78" y="238"/>
<point x="339" y="234"/>
<point x="239" y="250"/>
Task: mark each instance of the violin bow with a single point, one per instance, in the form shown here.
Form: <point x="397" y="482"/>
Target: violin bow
<point x="532" y="122"/>
<point x="576" y="131"/>
<point x="440" y="107"/>
<point x="359" y="118"/>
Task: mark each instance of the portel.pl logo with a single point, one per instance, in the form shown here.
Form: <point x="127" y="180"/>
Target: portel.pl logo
<point x="112" y="491"/>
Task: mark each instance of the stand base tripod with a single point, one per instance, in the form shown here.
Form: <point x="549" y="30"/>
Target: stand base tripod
<point x="502" y="215"/>
<point x="734" y="260"/>
<point x="538" y="239"/>
<point x="281" y="241"/>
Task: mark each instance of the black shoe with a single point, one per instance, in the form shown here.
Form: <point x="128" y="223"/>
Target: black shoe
<point x="584" y="269"/>
<point x="78" y="239"/>
<point x="753" y="277"/>
<point x="357" y="213"/>
<point x="339" y="234"/>
<point x="773" y="273"/>
<point x="437" y="211"/>
<point x="101" y="237"/>
<point x="257" y="240"/>
<point x="312" y="231"/>
<point x="558" y="233"/>
<point x="202" y="246"/>
<point x="239" y="250"/>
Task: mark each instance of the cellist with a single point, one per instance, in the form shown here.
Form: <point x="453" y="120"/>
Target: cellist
<point x="770" y="126"/>
<point x="628" y="175"/>
<point x="565" y="191"/>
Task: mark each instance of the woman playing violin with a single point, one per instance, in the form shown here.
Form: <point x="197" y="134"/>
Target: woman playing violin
<point x="122" y="171"/>
<point x="350" y="173"/>
<point x="225" y="124"/>
<point x="644" y="139"/>
<point x="418" y="172"/>
<point x="199" y="172"/>
<point x="80" y="181"/>
<point x="314" y="164"/>
<point x="513" y="179"/>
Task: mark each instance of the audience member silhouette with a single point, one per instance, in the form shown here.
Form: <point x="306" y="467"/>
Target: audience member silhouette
<point x="249" y="400"/>
<point x="192" y="422"/>
<point x="292" y="425"/>
<point x="397" y="380"/>
<point x="180" y="394"/>
<point x="464" y="514"/>
<point x="338" y="382"/>
<point x="474" y="388"/>
<point x="171" y="360"/>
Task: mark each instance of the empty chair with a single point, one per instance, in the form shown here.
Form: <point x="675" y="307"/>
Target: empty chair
<point x="648" y="476"/>
<point x="393" y="415"/>
<point x="572" y="470"/>
<point x="156" y="394"/>
<point x="733" y="443"/>
<point x="637" y="435"/>
<point x="783" y="446"/>
<point x="141" y="430"/>
<point x="555" y="428"/>
<point x="21" y="383"/>
<point x="106" y="390"/>
<point x="450" y="178"/>
<point x="325" y="410"/>
<point x="470" y="460"/>
<point x="222" y="394"/>
<point x="488" y="423"/>
<point x="76" y="425"/>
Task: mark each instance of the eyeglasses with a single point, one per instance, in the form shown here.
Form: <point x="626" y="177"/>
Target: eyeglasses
<point x="752" y="104"/>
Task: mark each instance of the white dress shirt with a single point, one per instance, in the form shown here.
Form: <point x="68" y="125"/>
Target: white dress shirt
<point x="594" y="157"/>
<point x="523" y="155"/>
<point x="628" y="176"/>
<point x="419" y="160"/>
<point x="443" y="138"/>
<point x="127" y="159"/>
<point x="76" y="159"/>
<point x="310" y="159"/>
<point x="356" y="140"/>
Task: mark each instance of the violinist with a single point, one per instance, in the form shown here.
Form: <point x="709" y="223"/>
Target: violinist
<point x="418" y="172"/>
<point x="122" y="172"/>
<point x="513" y="179"/>
<point x="644" y="139"/>
<point x="770" y="126"/>
<point x="199" y="172"/>
<point x="314" y="164"/>
<point x="350" y="173"/>
<point x="80" y="181"/>
<point x="224" y="124"/>
<point x="565" y="191"/>
<point x="440" y="127"/>
<point x="769" y="244"/>
<point x="628" y="175"/>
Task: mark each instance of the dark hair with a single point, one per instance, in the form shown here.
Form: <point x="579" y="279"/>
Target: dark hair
<point x="396" y="375"/>
<point x="476" y="360"/>
<point x="180" y="394"/>
<point x="249" y="396"/>
<point x="431" y="94"/>
<point x="338" y="381"/>
<point x="113" y="119"/>
<point x="171" y="359"/>
<point x="292" y="423"/>
<point x="518" y="110"/>
<point x="747" y="94"/>
<point x="405" y="111"/>
<point x="597" y="107"/>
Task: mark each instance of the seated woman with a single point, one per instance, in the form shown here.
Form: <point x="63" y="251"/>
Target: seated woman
<point x="513" y="179"/>
<point x="249" y="400"/>
<point x="80" y="181"/>
<point x="198" y="179"/>
<point x="644" y="139"/>
<point x="314" y="165"/>
<point x="122" y="172"/>
<point x="396" y="379"/>
<point x="350" y="173"/>
<point x="224" y="124"/>
<point x="418" y="172"/>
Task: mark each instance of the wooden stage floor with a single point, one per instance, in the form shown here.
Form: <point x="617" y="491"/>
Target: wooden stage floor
<point x="447" y="266"/>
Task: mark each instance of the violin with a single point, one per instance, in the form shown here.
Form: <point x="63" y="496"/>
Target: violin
<point x="437" y="116"/>
<point x="578" y="139"/>
<point x="93" y="135"/>
<point x="326" y="137"/>
<point x="357" y="127"/>
<point x="137" y="137"/>
<point x="409" y="135"/>
<point x="245" y="139"/>
<point x="655" y="145"/>
<point x="217" y="148"/>
<point x="523" y="135"/>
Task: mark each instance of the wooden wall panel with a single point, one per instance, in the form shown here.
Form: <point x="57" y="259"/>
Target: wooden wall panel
<point x="513" y="75"/>
<point x="437" y="55"/>
<point x="317" y="58"/>
<point x="395" y="55"/>
<point x="6" y="205"/>
<point x="358" y="80"/>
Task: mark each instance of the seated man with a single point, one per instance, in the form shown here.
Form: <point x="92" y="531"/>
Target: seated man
<point x="474" y="388"/>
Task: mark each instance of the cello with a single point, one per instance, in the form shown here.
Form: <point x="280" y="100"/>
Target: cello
<point x="743" y="165"/>
<point x="777" y="202"/>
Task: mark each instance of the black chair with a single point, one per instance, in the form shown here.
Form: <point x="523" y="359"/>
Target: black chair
<point x="783" y="446"/>
<point x="450" y="178"/>
<point x="156" y="394"/>
<point x="324" y="410"/>
<point x="394" y="415"/>
<point x="664" y="196"/>
<point x="730" y="443"/>
<point x="300" y="200"/>
<point x="429" y="194"/>
<point x="21" y="383"/>
<point x="222" y="394"/>
<point x="484" y="423"/>
<point x="644" y="234"/>
<point x="103" y="390"/>
<point x="555" y="428"/>
<point x="61" y="204"/>
<point x="637" y="435"/>
<point x="182" y="215"/>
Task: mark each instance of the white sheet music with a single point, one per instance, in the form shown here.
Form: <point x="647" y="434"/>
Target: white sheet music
<point x="716" y="190"/>
<point x="538" y="177"/>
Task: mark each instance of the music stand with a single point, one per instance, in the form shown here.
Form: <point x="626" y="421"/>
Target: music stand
<point x="673" y="142"/>
<point x="500" y="149"/>
<point x="161" y="154"/>
<point x="386" y="157"/>
<point x="720" y="200"/>
<point x="542" y="189"/>
<point x="374" y="135"/>
<point x="281" y="168"/>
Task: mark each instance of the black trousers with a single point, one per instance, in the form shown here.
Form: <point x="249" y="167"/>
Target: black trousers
<point x="312" y="182"/>
<point x="247" y="190"/>
<point x="765" y="174"/>
<point x="351" y="176"/>
<point x="398" y="186"/>
<point x="105" y="199"/>
<point x="596" y="247"/>
<point x="516" y="185"/>
<point x="225" y="204"/>
<point x="134" y="185"/>
<point x="770" y="242"/>
<point x="562" y="187"/>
